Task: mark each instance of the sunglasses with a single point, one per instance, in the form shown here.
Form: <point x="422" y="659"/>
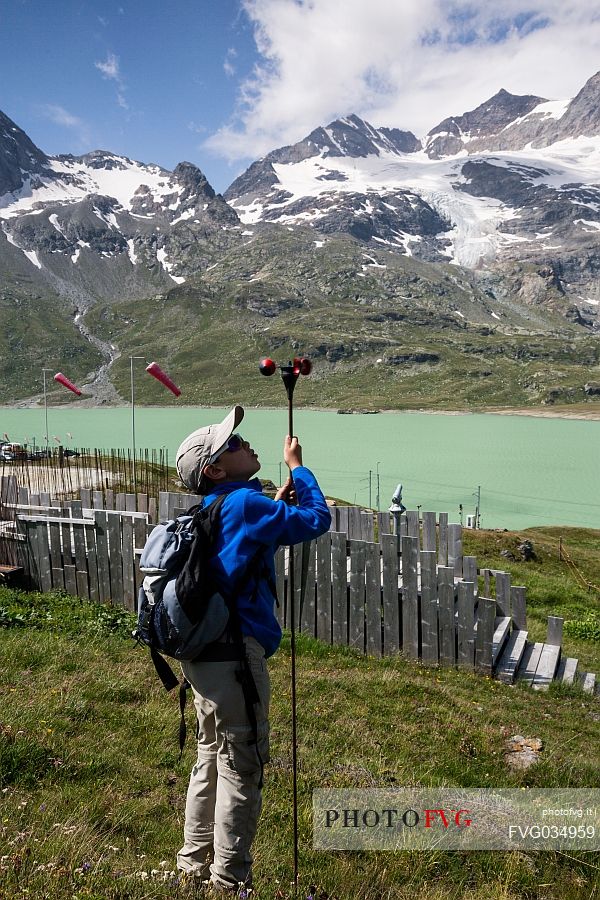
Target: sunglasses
<point x="235" y="443"/>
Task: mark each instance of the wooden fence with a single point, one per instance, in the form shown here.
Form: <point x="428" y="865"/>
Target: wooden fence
<point x="413" y="592"/>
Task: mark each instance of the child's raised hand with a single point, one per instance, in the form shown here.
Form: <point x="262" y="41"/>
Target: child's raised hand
<point x="292" y="452"/>
<point x="286" y="492"/>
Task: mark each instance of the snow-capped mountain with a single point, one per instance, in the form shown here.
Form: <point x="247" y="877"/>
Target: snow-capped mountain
<point x="514" y="184"/>
<point x="97" y="225"/>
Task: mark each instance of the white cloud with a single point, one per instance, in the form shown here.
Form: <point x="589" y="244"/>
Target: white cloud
<point x="110" y="70"/>
<point x="110" y="67"/>
<point x="60" y="116"/>
<point x="228" y="66"/>
<point x="406" y="64"/>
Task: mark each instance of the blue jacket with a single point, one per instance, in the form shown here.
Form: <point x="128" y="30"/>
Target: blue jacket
<point x="249" y="520"/>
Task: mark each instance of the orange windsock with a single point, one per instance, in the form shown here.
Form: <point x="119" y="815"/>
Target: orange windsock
<point x="155" y="370"/>
<point x="62" y="379"/>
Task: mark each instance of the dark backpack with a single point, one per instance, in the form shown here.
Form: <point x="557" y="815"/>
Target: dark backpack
<point x="180" y="611"/>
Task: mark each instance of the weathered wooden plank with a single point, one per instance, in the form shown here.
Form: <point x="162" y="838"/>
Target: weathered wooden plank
<point x="446" y="615"/>
<point x="384" y="525"/>
<point x="45" y="566"/>
<point x="102" y="558"/>
<point x="518" y="607"/>
<point x="335" y="515"/>
<point x="81" y="561"/>
<point x="466" y="625"/>
<point x="71" y="580"/>
<point x="23" y="495"/>
<point x="469" y="572"/>
<point x="65" y="536"/>
<point x="45" y="498"/>
<point x="142" y="503"/>
<point x="484" y="639"/>
<point x="429" y="531"/>
<point x="115" y="553"/>
<point x="455" y="549"/>
<point x="81" y="580"/>
<point x="33" y="564"/>
<point x="486" y="581"/>
<point x="412" y="522"/>
<point x="588" y="682"/>
<point x="339" y="584"/>
<point x="529" y="662"/>
<point x="511" y="656"/>
<point x="55" y="550"/>
<point x="152" y="511"/>
<point x="308" y="598"/>
<point x="567" y="669"/>
<point x="86" y="497"/>
<point x="343" y="518"/>
<point x="279" y="561"/>
<point x="368" y="526"/>
<point x="323" y="609"/>
<point x="92" y="565"/>
<point x="120" y="502"/>
<point x="374" y="644"/>
<point x="295" y="607"/>
<point x="546" y="667"/>
<point x="501" y="633"/>
<point x="354" y="523"/>
<point x="98" y="499"/>
<point x="356" y="619"/>
<point x="391" y="596"/>
<point x="555" y="630"/>
<point x="443" y="539"/>
<point x="503" y="593"/>
<point x="140" y="527"/>
<point x="109" y="499"/>
<point x="410" y="599"/>
<point x="402" y="526"/>
<point x="127" y="541"/>
<point x="429" y="607"/>
<point x="163" y="506"/>
<point x="130" y="502"/>
<point x="34" y="499"/>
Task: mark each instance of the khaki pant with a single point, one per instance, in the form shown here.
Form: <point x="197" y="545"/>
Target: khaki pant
<point x="224" y="799"/>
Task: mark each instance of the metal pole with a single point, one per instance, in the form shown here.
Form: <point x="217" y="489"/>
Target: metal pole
<point x="289" y="379"/>
<point x="370" y="491"/>
<point x="46" y="408"/>
<point x="131" y="359"/>
<point x="378" y="505"/>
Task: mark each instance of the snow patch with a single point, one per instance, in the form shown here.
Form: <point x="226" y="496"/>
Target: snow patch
<point x="161" y="255"/>
<point x="131" y="252"/>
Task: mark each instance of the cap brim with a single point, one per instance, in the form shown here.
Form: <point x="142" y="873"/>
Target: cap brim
<point x="226" y="429"/>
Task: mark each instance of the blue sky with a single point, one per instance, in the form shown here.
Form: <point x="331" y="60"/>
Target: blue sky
<point x="137" y="77"/>
<point x="221" y="82"/>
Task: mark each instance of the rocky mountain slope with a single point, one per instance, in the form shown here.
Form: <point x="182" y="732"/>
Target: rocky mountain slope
<point x="385" y="256"/>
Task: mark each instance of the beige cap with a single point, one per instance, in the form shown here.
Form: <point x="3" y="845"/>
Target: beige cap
<point x="196" y="450"/>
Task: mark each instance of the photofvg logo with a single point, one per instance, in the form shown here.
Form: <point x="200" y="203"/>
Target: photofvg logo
<point x="456" y="819"/>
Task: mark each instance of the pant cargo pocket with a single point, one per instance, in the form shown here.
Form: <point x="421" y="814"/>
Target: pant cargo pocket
<point x="242" y="748"/>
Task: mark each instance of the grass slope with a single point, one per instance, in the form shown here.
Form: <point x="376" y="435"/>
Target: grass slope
<point x="384" y="332"/>
<point x="93" y="795"/>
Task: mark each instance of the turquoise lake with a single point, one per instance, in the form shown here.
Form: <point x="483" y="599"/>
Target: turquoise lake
<point x="532" y="471"/>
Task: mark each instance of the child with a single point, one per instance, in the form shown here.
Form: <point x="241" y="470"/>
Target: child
<point x="224" y="795"/>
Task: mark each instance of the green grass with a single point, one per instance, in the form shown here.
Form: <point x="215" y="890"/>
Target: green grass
<point x="93" y="795"/>
<point x="555" y="586"/>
